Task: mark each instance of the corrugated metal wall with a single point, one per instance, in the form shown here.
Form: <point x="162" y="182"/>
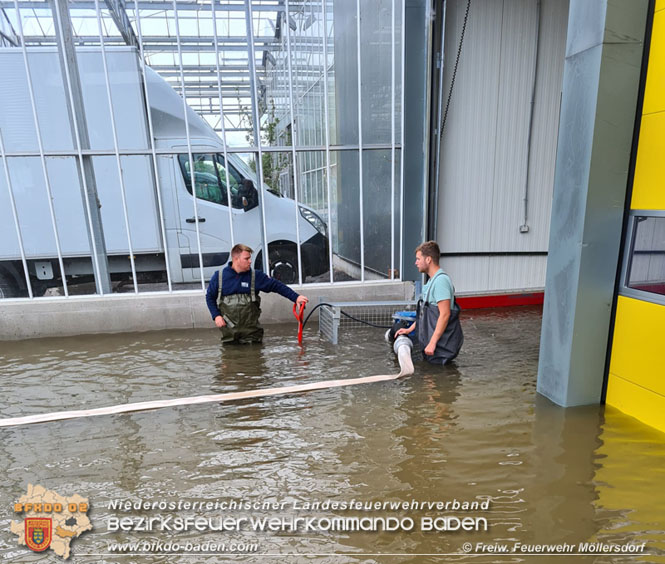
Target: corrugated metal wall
<point x="485" y="143"/>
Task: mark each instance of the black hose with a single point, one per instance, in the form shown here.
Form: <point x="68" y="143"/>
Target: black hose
<point x="347" y="315"/>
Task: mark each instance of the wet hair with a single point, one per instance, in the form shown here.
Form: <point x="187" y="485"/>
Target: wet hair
<point x="240" y="248"/>
<point x="430" y="249"/>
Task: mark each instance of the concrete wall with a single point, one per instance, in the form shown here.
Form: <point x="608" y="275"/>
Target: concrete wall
<point x="58" y="317"/>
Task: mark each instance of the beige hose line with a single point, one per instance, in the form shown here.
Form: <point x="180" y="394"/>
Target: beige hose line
<point x="403" y="354"/>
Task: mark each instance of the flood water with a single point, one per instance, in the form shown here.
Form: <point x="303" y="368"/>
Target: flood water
<point x="475" y="431"/>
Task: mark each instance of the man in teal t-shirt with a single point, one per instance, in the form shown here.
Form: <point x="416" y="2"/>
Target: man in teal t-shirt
<point x="439" y="288"/>
<point x="439" y="333"/>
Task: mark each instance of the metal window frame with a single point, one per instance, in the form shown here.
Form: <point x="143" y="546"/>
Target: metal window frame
<point x="309" y="48"/>
<point x="114" y="131"/>
<point x="152" y="151"/>
<point x="392" y="142"/>
<point x="629" y="248"/>
<point x="221" y="119"/>
<point x="360" y="148"/>
<point x="42" y="157"/>
<point x="296" y="183"/>
<point x="401" y="155"/>
<point x="17" y="226"/>
<point x="251" y="60"/>
<point x="100" y="283"/>
<point x="324" y="7"/>
<point x="189" y="143"/>
<point x="174" y="151"/>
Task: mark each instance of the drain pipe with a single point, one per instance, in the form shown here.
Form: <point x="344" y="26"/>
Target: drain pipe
<point x="524" y="228"/>
<point x="438" y="132"/>
<point x="402" y="347"/>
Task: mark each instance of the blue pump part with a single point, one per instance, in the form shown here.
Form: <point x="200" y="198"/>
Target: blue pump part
<point x="404" y="316"/>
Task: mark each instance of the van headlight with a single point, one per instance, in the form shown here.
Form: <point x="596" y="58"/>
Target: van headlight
<point x="314" y="220"/>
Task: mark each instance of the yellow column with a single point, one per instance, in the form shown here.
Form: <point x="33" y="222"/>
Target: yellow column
<point x="636" y="383"/>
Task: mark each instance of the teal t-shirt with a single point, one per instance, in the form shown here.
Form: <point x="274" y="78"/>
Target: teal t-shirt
<point x="442" y="289"/>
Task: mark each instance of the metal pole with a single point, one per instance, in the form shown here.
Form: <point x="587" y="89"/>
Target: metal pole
<point x="427" y="149"/>
<point x="79" y="127"/>
<point x="316" y="104"/>
<point x="524" y="228"/>
<point x="192" y="173"/>
<point x="293" y="140"/>
<point x="174" y="151"/>
<point x="401" y="160"/>
<point x="47" y="183"/>
<point x="437" y="128"/>
<point x="256" y="128"/>
<point x="152" y="147"/>
<point x="327" y="131"/>
<point x="392" y="143"/>
<point x="123" y="192"/>
<point x="360" y="148"/>
<point x="221" y="118"/>
<point x="15" y="214"/>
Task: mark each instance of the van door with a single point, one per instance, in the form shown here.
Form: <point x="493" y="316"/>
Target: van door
<point x="213" y="214"/>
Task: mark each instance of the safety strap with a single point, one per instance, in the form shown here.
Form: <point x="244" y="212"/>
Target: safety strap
<point x="219" y="286"/>
<point x="252" y="289"/>
<point x="431" y="285"/>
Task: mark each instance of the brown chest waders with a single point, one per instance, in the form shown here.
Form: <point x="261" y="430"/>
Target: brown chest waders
<point x="241" y="313"/>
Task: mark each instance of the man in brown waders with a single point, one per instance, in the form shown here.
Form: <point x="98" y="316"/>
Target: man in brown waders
<point x="233" y="297"/>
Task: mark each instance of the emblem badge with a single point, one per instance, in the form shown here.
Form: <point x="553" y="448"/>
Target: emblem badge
<point x="38" y="533"/>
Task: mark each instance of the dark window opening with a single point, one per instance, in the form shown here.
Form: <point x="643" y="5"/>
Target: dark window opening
<point x="646" y="270"/>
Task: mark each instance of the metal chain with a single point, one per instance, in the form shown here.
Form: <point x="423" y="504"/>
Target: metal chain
<point x="459" y="52"/>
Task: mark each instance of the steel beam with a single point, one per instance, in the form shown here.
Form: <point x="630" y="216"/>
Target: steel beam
<point x="119" y="16"/>
<point x="80" y="138"/>
<point x="601" y="79"/>
<point x="165" y="6"/>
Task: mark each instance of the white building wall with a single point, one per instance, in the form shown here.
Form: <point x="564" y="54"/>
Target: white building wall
<point x="490" y="274"/>
<point x="485" y="143"/>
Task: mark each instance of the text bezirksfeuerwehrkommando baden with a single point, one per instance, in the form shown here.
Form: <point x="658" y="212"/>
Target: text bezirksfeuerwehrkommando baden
<point x="162" y="523"/>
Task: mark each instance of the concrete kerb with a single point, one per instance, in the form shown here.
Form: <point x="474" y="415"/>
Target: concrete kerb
<point x="119" y="313"/>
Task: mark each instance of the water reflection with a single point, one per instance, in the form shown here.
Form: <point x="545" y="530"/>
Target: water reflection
<point x="560" y="470"/>
<point x="472" y="431"/>
<point x="629" y="475"/>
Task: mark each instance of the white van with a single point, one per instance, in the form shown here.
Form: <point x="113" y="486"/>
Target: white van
<point x="284" y="220"/>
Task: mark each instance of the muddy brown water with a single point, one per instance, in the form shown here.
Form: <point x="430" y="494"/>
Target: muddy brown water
<point x="473" y="432"/>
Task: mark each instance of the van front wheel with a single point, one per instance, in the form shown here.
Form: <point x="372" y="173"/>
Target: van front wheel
<point x="284" y="265"/>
